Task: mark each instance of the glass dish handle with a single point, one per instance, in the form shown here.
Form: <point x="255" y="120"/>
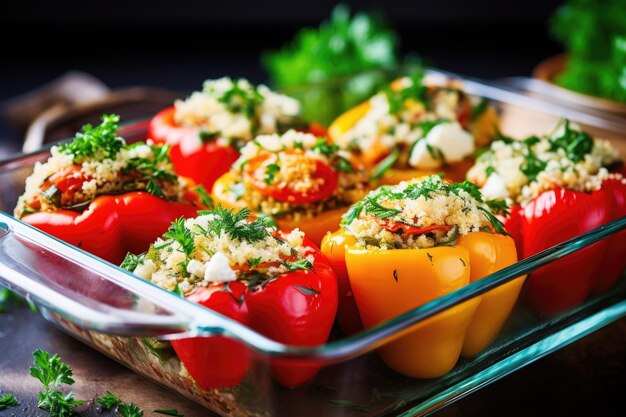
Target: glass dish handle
<point x="94" y="294"/>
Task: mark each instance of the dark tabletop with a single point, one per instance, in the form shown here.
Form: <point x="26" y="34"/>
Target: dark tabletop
<point x="586" y="378"/>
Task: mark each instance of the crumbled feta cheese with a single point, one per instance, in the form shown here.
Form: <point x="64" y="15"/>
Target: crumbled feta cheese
<point x="196" y="268"/>
<point x="450" y="139"/>
<point x="495" y="188"/>
<point x="218" y="269"/>
<point x="145" y="269"/>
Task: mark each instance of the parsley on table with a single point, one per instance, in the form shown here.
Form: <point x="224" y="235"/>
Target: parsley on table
<point x="108" y="401"/>
<point x="8" y="400"/>
<point x="99" y="142"/>
<point x="53" y="373"/>
<point x="129" y="410"/>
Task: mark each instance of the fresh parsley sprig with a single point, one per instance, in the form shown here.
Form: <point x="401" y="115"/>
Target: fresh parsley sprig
<point x="416" y="90"/>
<point x="129" y="410"/>
<point x="8" y="400"/>
<point x="236" y="224"/>
<point x="99" y="142"/>
<point x="109" y="401"/>
<point x="53" y="373"/>
<point x="179" y="233"/>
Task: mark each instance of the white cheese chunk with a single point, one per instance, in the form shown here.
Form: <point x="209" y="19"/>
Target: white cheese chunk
<point x="218" y="269"/>
<point x="195" y="268"/>
<point x="449" y="138"/>
<point x="495" y="188"/>
<point x="146" y="269"/>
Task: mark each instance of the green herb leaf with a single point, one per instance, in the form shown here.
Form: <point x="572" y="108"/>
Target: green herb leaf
<point x="307" y="290"/>
<point x="206" y="137"/>
<point x="8" y="400"/>
<point x="99" y="142"/>
<point x="57" y="404"/>
<point x="237" y="224"/>
<point x="241" y="100"/>
<point x="378" y="210"/>
<point x="205" y="198"/>
<point x="343" y="165"/>
<point x="270" y="172"/>
<point x="479" y="109"/>
<point x="129" y="410"/>
<point x="108" y="401"/>
<point x="50" y="370"/>
<point x="169" y="412"/>
<point x="131" y="262"/>
<point x="416" y="90"/>
<point x="179" y="233"/>
<point x="252" y="262"/>
<point x="385" y="165"/>
<point x="300" y="264"/>
<point x="575" y="143"/>
<point x="322" y="146"/>
<point x="178" y="291"/>
<point x="532" y="166"/>
<point x="498" y="207"/>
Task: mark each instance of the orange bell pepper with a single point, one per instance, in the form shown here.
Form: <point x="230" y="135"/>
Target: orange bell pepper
<point x="388" y="283"/>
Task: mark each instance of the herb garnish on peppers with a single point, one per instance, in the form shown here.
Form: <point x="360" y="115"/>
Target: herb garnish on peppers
<point x="98" y="162"/>
<point x="400" y="216"/>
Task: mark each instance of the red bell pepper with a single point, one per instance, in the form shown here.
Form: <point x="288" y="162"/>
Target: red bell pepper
<point x="202" y="162"/>
<point x="551" y="218"/>
<point x="112" y="226"/>
<point x="229" y="360"/>
<point x="297" y="309"/>
<point x="614" y="261"/>
<point x="295" y="306"/>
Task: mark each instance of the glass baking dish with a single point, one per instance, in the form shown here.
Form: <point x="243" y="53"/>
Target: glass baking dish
<point x="88" y="298"/>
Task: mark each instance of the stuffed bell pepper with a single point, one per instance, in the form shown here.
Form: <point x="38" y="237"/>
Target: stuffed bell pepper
<point x="206" y="130"/>
<point x="276" y="283"/>
<point x="405" y="245"/>
<point x="412" y="129"/>
<point x="562" y="184"/>
<point x="302" y="181"/>
<point x="105" y="196"/>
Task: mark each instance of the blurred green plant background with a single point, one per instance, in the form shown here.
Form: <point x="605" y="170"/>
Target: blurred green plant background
<point x="341" y="63"/>
<point x="594" y="34"/>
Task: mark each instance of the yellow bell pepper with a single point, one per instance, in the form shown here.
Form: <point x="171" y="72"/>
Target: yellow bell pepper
<point x="388" y="283"/>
